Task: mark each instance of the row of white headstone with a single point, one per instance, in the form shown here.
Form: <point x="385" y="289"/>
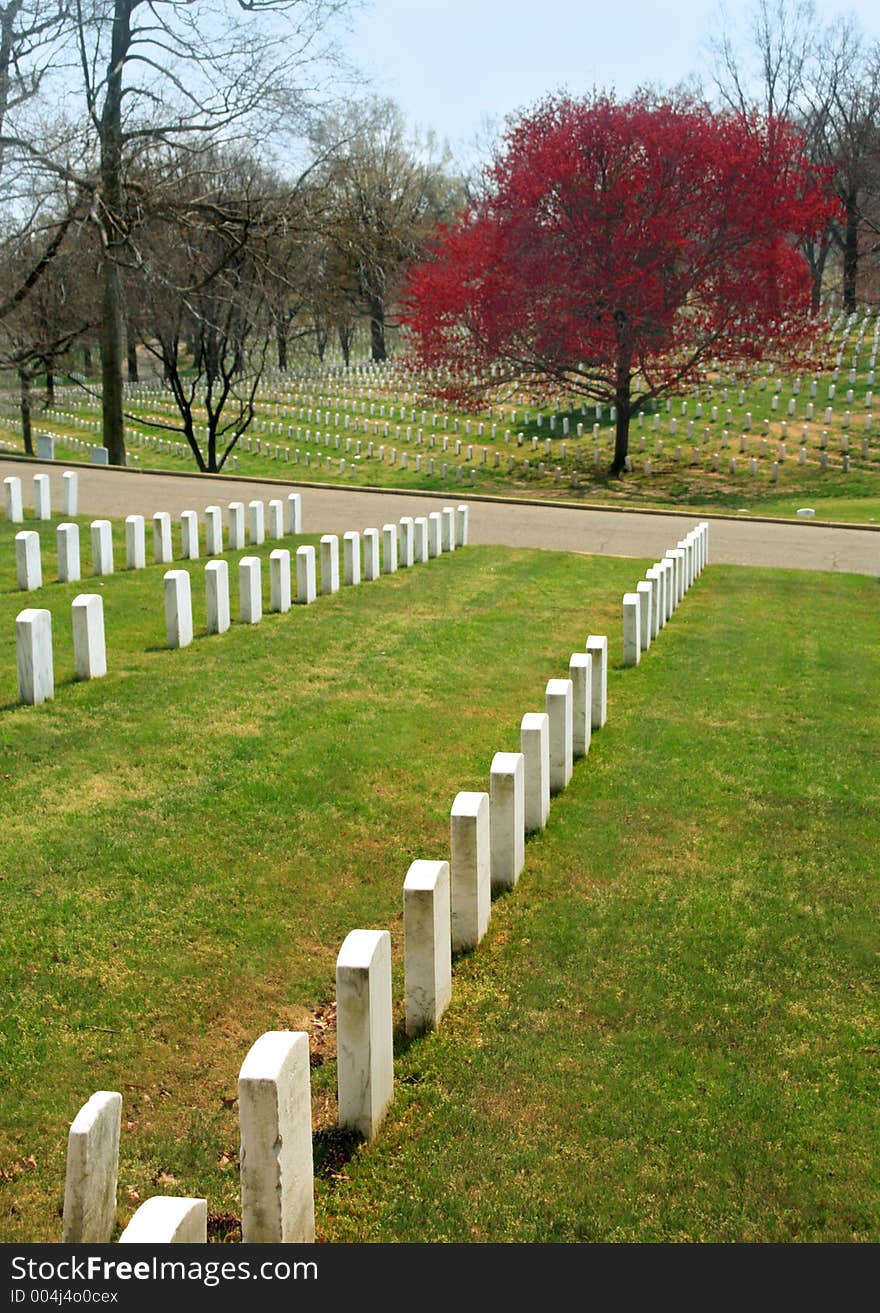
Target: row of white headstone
<point x="414" y="540"/>
<point x="276" y="1163"/>
<point x="411" y="542"/>
<point x="33" y="647"/>
<point x="646" y="611"/>
<point x="27" y="542"/>
<point x="14" y="504"/>
<point x="33" y="626"/>
<point x="447" y="907"/>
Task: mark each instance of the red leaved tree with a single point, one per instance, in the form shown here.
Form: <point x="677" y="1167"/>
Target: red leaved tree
<point x="619" y="251"/>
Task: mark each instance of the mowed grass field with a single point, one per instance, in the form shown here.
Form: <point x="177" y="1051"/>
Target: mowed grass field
<point x="671" y="1029"/>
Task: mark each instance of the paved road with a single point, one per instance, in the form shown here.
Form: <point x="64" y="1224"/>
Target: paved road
<point x="116" y="493"/>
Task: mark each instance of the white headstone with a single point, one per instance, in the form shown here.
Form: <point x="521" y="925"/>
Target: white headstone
<point x="294" y="512"/>
<point x="257" y="520"/>
<point x="448" y="542"/>
<point x="189" y="535"/>
<point x="12" y="499"/>
<point x="33" y="652"/>
<point x="135" y="542"/>
<point x="427" y="945"/>
<point x="470" y="869"/>
<point x="506" y="818"/>
<point x="645" y="590"/>
<point x="351" y="557"/>
<point x="405" y="554"/>
<point x="276" y="518"/>
<point x="580" y="672"/>
<point x="364" y="1031"/>
<point x="389" y="548"/>
<point x="89" y="1216"/>
<point x="89" y="648"/>
<point x="420" y="539"/>
<point x="329" y="563"/>
<point x="597" y="646"/>
<point x="279" y="579"/>
<point x="667" y="566"/>
<point x="250" y="585"/>
<point x="213" y="531"/>
<point x="168" y="1220"/>
<point x="371" y="554"/>
<point x="535" y="745"/>
<point x="435" y="534"/>
<point x="178" y="608"/>
<point x="28" y="567"/>
<point x="45" y="446"/>
<point x="102" y="547"/>
<point x="656" y="578"/>
<point x="632" y="643"/>
<point x="42" y="500"/>
<point x="235" y="515"/>
<point x="559" y="700"/>
<point x="69" y="492"/>
<point x="275" y="1116"/>
<point x="217" y="597"/>
<point x="305" y="575"/>
<point x="162" y="538"/>
<point x="688" y="545"/>
<point x="673" y="555"/>
<point x="462" y="518"/>
<point x="67" y="538"/>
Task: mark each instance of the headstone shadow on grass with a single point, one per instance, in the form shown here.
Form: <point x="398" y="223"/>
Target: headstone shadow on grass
<point x="332" y="1148"/>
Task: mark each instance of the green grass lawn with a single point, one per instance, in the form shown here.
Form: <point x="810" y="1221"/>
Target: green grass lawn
<point x="670" y="1031"/>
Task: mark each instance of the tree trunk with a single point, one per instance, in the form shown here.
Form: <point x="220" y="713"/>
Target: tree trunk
<point x="112" y="331"/>
<point x="621" y="437"/>
<point x="87" y="359"/>
<point x="281" y="344"/>
<point x="850" y="255"/>
<point x="345" y="334"/>
<point x="50" y="389"/>
<point x="378" y="350"/>
<point x="321" y="336"/>
<point x="622" y="396"/>
<point x="24" y="385"/>
<point x="113" y="318"/>
<point x="132" y="356"/>
<point x="817" y="256"/>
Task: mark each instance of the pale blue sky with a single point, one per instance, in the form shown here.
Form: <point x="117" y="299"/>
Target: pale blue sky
<point x="451" y="63"/>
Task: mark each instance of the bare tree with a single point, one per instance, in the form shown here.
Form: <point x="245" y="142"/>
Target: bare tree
<point x="160" y="75"/>
<point x="216" y="265"/>
<point x="38" y="334"/>
<point x="827" y="81"/>
<point x="846" y="123"/>
<point x="771" y="67"/>
<point x="169" y="73"/>
<point x="387" y="195"/>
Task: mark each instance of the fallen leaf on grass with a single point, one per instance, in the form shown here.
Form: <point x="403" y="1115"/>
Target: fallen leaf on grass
<point x="163" y="1178"/>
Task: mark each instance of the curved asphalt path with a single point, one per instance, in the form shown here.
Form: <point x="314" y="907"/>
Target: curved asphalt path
<point x="114" y="493"/>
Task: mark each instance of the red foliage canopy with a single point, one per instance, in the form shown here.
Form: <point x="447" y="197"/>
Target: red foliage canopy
<point x="620" y="249"/>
